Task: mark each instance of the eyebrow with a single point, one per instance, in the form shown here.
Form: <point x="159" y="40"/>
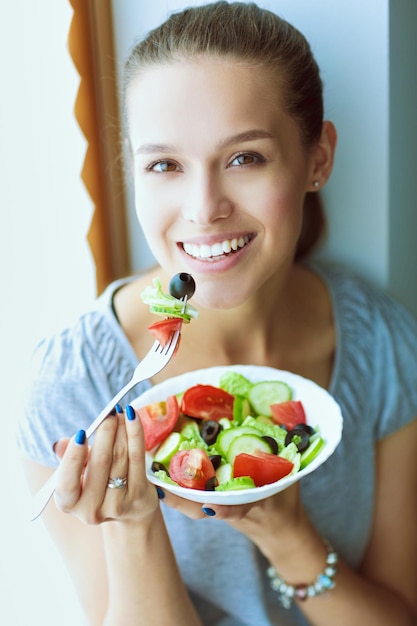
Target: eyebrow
<point x="249" y="135"/>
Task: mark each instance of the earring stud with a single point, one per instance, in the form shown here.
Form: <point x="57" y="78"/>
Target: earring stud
<point x="316" y="184"/>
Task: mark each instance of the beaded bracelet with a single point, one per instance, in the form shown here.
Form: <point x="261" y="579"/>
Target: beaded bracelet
<point x="323" y="582"/>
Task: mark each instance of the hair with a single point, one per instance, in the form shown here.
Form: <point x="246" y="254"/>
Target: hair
<point x="258" y="37"/>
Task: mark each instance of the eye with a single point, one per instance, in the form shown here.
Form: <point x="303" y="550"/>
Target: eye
<point x="163" y="166"/>
<point x="246" y="158"/>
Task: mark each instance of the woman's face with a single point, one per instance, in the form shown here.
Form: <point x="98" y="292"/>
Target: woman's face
<point x="220" y="174"/>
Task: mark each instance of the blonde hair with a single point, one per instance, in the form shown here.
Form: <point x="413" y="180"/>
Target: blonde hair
<point x="249" y="34"/>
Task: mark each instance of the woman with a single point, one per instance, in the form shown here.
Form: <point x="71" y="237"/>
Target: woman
<point x="229" y="148"/>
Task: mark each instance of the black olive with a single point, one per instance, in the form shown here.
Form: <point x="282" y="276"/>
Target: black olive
<point x="306" y="427"/>
<point x="209" y="430"/>
<point x="182" y="285"/>
<point x="156" y="467"/>
<point x="299" y="437"/>
<point x="216" y="460"/>
<point x="272" y="442"/>
<point x="211" y="484"/>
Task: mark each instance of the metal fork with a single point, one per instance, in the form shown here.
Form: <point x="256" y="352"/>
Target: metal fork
<point x="154" y="361"/>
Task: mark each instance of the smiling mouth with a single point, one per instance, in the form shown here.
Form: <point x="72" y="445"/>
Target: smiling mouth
<point x="216" y="250"/>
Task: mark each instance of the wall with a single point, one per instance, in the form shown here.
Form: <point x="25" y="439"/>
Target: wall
<point x="403" y="152"/>
<point x="47" y="277"/>
<point x="367" y="53"/>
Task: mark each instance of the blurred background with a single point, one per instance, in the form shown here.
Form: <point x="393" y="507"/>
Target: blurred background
<point x="67" y="221"/>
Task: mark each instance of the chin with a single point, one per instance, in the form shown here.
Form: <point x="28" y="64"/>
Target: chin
<point x="215" y="299"/>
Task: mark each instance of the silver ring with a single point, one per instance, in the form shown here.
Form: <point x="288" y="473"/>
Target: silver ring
<point x="117" y="483"/>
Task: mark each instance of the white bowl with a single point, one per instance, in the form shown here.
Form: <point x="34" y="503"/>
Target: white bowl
<point x="321" y="410"/>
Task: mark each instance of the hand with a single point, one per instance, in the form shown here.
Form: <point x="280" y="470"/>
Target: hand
<point x="259" y="521"/>
<point x="118" y="451"/>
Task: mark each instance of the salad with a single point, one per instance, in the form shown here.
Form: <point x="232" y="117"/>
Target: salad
<point x="236" y="435"/>
<point x="173" y="306"/>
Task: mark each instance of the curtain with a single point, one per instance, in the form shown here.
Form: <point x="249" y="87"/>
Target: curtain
<point x="90" y="43"/>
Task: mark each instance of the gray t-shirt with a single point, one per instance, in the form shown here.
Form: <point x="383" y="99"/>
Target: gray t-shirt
<point x="374" y="380"/>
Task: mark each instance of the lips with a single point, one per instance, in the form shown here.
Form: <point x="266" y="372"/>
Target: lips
<point x="218" y="249"/>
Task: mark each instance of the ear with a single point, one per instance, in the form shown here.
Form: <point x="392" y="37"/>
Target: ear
<point x="322" y="157"/>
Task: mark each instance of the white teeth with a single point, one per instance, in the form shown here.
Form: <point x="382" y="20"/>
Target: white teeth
<point x="226" y="247"/>
<point x="205" y="251"/>
<point x="217" y="249"/>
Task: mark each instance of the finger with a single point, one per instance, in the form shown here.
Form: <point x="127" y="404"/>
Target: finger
<point x="119" y="465"/>
<point x="100" y="460"/>
<point x="233" y="513"/>
<point x="137" y="453"/>
<point x="68" y="489"/>
<point x="60" y="446"/>
<point x="191" y="509"/>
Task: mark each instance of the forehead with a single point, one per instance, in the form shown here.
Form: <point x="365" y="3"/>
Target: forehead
<point x="207" y="90"/>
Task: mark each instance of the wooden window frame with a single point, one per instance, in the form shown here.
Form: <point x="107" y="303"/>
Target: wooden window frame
<point x="97" y="110"/>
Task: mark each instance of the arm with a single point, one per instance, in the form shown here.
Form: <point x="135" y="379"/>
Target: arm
<point x="120" y="558"/>
<point x="81" y="547"/>
<point x="383" y="592"/>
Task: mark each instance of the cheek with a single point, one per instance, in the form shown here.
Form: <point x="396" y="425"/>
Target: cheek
<point x="151" y="209"/>
<point x="281" y="210"/>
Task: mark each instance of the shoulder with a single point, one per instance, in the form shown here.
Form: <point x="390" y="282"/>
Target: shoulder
<point x="366" y="306"/>
<point x="94" y="342"/>
<point x="375" y="372"/>
<point x="71" y="377"/>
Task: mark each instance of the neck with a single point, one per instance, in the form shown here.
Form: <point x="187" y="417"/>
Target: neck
<point x="275" y="328"/>
<point x="254" y="331"/>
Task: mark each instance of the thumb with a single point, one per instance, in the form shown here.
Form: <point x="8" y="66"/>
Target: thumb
<point x="60" y="447"/>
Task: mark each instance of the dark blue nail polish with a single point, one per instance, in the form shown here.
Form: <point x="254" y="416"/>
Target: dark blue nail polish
<point x="130" y="412"/>
<point x="119" y="409"/>
<point x="80" y="437"/>
<point x="161" y="494"/>
<point x="207" y="511"/>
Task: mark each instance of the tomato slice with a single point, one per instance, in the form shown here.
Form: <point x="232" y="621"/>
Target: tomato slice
<point x="207" y="402"/>
<point x="262" y="467"/>
<point x="162" y="329"/>
<point x="191" y="468"/>
<point x="288" y="414"/>
<point x="158" y="420"/>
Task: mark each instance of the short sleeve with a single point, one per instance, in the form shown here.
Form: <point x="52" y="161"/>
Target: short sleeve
<point x="375" y="378"/>
<point x="72" y="377"/>
<point x="395" y="366"/>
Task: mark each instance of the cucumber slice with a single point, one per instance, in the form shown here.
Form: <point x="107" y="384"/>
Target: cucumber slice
<point x="165" y="311"/>
<point x="248" y="444"/>
<point x="265" y="393"/>
<point x="225" y="423"/>
<point x="241" y="409"/>
<point x="225" y="438"/>
<point x="312" y="451"/>
<point x="168" y="448"/>
<point x="242" y="482"/>
<point x="224" y="473"/>
<point x="164" y="304"/>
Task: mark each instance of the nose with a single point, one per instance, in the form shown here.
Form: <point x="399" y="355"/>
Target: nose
<point x="206" y="199"/>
